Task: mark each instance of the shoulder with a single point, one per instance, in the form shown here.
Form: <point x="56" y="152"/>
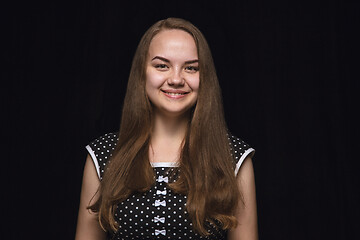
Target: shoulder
<point x="239" y="150"/>
<point x="101" y="150"/>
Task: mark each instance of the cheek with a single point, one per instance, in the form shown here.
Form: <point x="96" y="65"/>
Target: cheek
<point x="153" y="80"/>
<point x="194" y="83"/>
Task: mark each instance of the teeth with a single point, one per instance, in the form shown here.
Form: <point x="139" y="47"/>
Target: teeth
<point x="175" y="94"/>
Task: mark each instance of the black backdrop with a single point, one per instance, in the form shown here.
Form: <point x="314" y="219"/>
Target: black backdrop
<point x="288" y="74"/>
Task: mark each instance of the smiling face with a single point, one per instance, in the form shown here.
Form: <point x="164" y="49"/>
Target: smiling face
<point x="172" y="72"/>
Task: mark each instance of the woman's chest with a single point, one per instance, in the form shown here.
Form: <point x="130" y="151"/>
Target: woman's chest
<point x="157" y="214"/>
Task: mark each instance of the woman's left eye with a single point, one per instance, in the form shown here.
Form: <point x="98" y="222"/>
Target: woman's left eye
<point x="192" y="68"/>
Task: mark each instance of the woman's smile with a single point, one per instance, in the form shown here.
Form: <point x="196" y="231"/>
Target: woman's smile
<point x="174" y="94"/>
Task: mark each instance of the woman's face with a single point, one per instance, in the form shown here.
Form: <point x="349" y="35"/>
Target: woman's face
<point x="172" y="72"/>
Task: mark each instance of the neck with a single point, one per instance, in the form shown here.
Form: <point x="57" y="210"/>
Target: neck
<point x="169" y="127"/>
<point x="167" y="138"/>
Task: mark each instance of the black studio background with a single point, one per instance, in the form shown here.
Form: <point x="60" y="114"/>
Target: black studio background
<point x="289" y="77"/>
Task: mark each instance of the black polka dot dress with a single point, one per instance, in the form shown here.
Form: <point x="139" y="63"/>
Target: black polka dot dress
<point x="158" y="213"/>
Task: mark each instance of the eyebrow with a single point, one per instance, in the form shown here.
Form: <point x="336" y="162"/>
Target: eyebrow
<point x="167" y="60"/>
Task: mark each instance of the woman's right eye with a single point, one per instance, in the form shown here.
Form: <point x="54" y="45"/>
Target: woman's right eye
<point x="161" y="66"/>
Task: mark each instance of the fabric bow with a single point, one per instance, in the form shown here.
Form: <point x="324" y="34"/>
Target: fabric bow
<point x="163" y="179"/>
<point x="159" y="219"/>
<point x="158" y="203"/>
<point x="157" y="232"/>
<point x="161" y="192"/>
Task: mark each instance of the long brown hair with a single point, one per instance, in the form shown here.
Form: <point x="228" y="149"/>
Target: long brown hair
<point x="206" y="173"/>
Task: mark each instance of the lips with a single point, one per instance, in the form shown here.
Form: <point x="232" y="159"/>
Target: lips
<point x="174" y="93"/>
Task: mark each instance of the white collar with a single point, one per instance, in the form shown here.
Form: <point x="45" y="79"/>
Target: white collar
<point x="164" y="164"/>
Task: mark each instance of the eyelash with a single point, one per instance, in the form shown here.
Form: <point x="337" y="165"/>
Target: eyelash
<point x="161" y="66"/>
<point x="192" y="68"/>
<point x="188" y="68"/>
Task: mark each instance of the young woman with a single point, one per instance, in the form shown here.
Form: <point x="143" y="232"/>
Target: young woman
<point x="173" y="171"/>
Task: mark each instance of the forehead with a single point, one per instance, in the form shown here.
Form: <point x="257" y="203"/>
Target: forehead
<point x="173" y="42"/>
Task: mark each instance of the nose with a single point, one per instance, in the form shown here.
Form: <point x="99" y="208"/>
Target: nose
<point x="176" y="78"/>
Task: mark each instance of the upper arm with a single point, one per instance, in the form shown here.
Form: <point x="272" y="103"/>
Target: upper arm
<point x="246" y="213"/>
<point x="88" y="227"/>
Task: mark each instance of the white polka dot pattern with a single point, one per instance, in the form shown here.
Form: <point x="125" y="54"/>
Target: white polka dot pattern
<point x="240" y="150"/>
<point x="101" y="151"/>
<point x="158" y="213"/>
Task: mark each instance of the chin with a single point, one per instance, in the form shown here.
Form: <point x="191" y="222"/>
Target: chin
<point x="175" y="112"/>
